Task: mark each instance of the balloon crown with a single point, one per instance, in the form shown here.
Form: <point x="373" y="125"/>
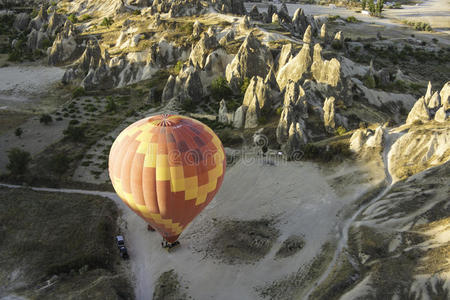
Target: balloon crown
<point x="164" y="120"/>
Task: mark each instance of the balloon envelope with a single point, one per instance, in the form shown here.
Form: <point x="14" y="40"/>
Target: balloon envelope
<point x="167" y="168"/>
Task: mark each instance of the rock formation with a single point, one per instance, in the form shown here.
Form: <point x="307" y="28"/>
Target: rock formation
<point x="325" y="71"/>
<point x="252" y="59"/>
<point x="329" y="114"/>
<point x="291" y="129"/>
<point x="296" y="68"/>
<point x="201" y="50"/>
<point x="431" y="106"/>
<point x="65" y="47"/>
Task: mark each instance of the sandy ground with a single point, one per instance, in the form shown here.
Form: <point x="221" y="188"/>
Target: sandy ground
<point x="21" y="84"/>
<point x="298" y="196"/>
<point x="435" y="12"/>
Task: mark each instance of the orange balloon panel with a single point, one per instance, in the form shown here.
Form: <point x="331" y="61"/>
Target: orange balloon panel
<point x="167" y="168"/>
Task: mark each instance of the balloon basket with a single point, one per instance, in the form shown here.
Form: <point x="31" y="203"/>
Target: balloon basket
<point x="169" y="247"/>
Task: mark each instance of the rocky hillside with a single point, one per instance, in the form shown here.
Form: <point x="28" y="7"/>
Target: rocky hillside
<point x="365" y="212"/>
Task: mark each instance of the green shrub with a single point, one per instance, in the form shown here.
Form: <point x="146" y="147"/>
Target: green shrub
<point x="111" y="106"/>
<point x="72" y="18"/>
<point x="136" y="12"/>
<point x="18" y="161"/>
<point x="220" y="89"/>
<point x="279" y="111"/>
<point x="78" y="92"/>
<point x="46" y="43"/>
<point x="15" y="55"/>
<point x="18" y="132"/>
<point x="107" y="22"/>
<point x="46" y="119"/>
<point x="245" y="85"/>
<point x="333" y="18"/>
<point x="337" y="45"/>
<point x="369" y="81"/>
<point x="85" y="17"/>
<point x="188" y="105"/>
<point x="341" y="130"/>
<point x="177" y="68"/>
<point x="59" y="163"/>
<point x="75" y="133"/>
<point x="351" y="19"/>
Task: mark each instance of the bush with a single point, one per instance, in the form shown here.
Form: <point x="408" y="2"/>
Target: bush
<point x="177" y="68"/>
<point x="111" y="106"/>
<point x="107" y="22"/>
<point x="245" y="85"/>
<point x="59" y="163"/>
<point x="336" y="45"/>
<point x="72" y="18"/>
<point x="18" y="161"/>
<point x="351" y="19"/>
<point x="78" y="92"/>
<point x="18" y="132"/>
<point x="136" y="12"/>
<point x="46" y="119"/>
<point x="220" y="89"/>
<point x="15" y="55"/>
<point x="369" y="81"/>
<point x="279" y="111"/>
<point x="85" y="17"/>
<point x="341" y="131"/>
<point x="75" y="133"/>
<point x="188" y="105"/>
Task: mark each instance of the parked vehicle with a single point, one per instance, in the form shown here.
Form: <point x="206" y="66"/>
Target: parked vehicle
<point x="123" y="252"/>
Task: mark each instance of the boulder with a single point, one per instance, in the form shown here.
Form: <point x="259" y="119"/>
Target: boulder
<point x="187" y="85"/>
<point x="223" y="112"/>
<point x="244" y="25"/>
<point x="296" y="69"/>
<point x="239" y="117"/>
<point x="254" y="13"/>
<point x="252" y="59"/>
<point x="275" y="18"/>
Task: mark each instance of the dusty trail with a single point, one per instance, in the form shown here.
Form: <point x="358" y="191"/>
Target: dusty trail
<point x="342" y="243"/>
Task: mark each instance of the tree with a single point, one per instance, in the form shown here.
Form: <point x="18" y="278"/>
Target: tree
<point x="363" y="4"/>
<point x="18" y="161"/>
<point x="46" y="119"/>
<point x="371" y="7"/>
<point x="75" y="133"/>
<point x="220" y="89"/>
<point x="379" y="7"/>
<point x="18" y="132"/>
<point x="111" y="106"/>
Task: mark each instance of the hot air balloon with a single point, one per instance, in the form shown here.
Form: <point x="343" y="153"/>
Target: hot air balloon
<point x="167" y="169"/>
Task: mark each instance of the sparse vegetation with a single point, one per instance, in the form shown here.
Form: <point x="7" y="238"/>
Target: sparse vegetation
<point x="420" y="26"/>
<point x="72" y="18"/>
<point x="107" y="22"/>
<point x="220" y="89"/>
<point x="75" y="133"/>
<point x="18" y="161"/>
<point x="244" y="85"/>
<point x="46" y="119"/>
<point x="18" y="132"/>
<point x="78" y="92"/>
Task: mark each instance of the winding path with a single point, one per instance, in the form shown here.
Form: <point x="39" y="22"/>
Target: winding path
<point x="390" y="138"/>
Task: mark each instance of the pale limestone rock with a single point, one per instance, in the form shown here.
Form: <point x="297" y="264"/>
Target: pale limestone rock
<point x="252" y="59"/>
<point x="296" y="68"/>
<point x="329" y="114"/>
